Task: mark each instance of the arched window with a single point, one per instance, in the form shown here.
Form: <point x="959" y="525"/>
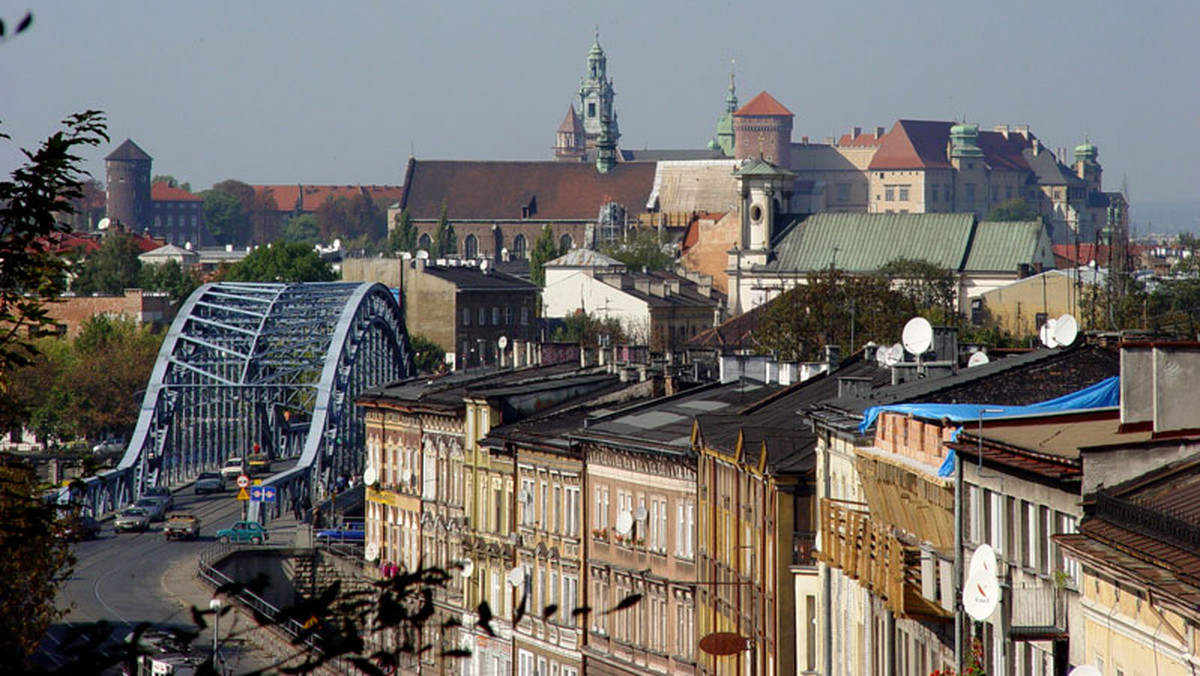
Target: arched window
<point x="564" y="244"/>
<point x="471" y="247"/>
<point x="423" y="242"/>
<point x="518" y="250"/>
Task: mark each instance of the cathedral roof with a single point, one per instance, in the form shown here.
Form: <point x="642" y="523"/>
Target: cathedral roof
<point x="764" y="105"/>
<point x="501" y="190"/>
<point x="571" y="123"/>
<point x="921" y="144"/>
<point x="129" y="152"/>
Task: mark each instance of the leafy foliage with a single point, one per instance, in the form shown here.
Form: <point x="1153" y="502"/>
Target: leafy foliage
<point x="926" y="286"/>
<point x="302" y="229"/>
<point x="430" y="357"/>
<point x="254" y="219"/>
<point x="590" y="331"/>
<point x="34" y="205"/>
<point x="403" y="237"/>
<point x="644" y="250"/>
<point x="223" y="216"/>
<point x="350" y="218"/>
<point x="37" y="562"/>
<point x="171" y="180"/>
<point x="544" y="250"/>
<point x="1015" y="209"/>
<point x="445" y="242"/>
<point x="171" y="278"/>
<point x="281" y="262"/>
<point x="111" y="269"/>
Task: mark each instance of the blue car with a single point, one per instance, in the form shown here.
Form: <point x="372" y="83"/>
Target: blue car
<point x="350" y="531"/>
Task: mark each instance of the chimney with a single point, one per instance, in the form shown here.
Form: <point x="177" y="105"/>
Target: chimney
<point x="1037" y="147"/>
<point x="833" y="356"/>
<point x="804" y="140"/>
<point x="1002" y="129"/>
<point x="1023" y="130"/>
<point x="855" y="132"/>
<point x="853" y="386"/>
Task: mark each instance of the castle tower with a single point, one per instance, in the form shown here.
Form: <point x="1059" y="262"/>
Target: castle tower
<point x="1087" y="165"/>
<point x="606" y="146"/>
<point x="725" y="135"/>
<point x="569" y="146"/>
<point x="596" y="96"/>
<point x="127" y="192"/>
<point x="763" y="129"/>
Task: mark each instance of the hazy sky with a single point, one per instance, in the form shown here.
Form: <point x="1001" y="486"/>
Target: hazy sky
<point x="337" y="93"/>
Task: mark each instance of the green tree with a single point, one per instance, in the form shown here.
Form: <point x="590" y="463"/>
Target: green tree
<point x="1015" y="209"/>
<point x="37" y="395"/>
<point x="35" y="206"/>
<point x="644" y="250"/>
<point x="281" y="262"/>
<point x="352" y="218"/>
<point x="170" y="180"/>
<point x="429" y="356"/>
<point x="223" y="216"/>
<point x="255" y="221"/>
<point x="37" y="561"/>
<point x="302" y="229"/>
<point x="113" y="268"/>
<point x="445" y="242"/>
<point x="926" y="286"/>
<point x="112" y="363"/>
<point x="544" y="250"/>
<point x="590" y="331"/>
<point x="171" y="278"/>
<point x="403" y="237"/>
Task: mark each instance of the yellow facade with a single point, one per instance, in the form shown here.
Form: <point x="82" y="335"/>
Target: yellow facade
<point x="1124" y="633"/>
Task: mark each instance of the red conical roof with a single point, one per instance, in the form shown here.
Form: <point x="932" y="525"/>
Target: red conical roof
<point x="764" y="105"/>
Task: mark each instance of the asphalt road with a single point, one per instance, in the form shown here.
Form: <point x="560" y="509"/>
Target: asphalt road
<point x="132" y="578"/>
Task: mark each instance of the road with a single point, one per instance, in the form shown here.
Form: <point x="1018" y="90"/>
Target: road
<point x="135" y="578"/>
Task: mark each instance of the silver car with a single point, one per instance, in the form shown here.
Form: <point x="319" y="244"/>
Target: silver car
<point x="156" y="507"/>
<point x="161" y="492"/>
<point x="132" y="519"/>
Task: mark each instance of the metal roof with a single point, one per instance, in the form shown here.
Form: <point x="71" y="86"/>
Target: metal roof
<point x="863" y="243"/>
<point x="1004" y="246"/>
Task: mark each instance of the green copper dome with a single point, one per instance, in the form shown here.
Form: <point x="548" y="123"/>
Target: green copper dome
<point x="962" y="140"/>
<point x="1086" y="151"/>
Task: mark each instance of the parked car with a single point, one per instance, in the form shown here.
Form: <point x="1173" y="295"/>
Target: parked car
<point x="210" y="482"/>
<point x="80" y="527"/>
<point x="182" y="526"/>
<point x="110" y="445"/>
<point x="155" y="507"/>
<point x="244" y="531"/>
<point x="349" y="531"/>
<point x="161" y="492"/>
<point x="259" y="466"/>
<point x="233" y="468"/>
<point x="132" y="519"/>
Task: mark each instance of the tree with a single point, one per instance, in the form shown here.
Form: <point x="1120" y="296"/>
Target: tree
<point x="112" y="363"/>
<point x="170" y="277"/>
<point x="302" y="229"/>
<point x="37" y="560"/>
<point x="444" y="240"/>
<point x="223" y="216"/>
<point x="113" y="268"/>
<point x="255" y="221"/>
<point x="350" y="218"/>
<point x="403" y="237"/>
<point x="1015" y="209"/>
<point x="544" y="250"/>
<point x="37" y="395"/>
<point x="590" y="331"/>
<point x="926" y="286"/>
<point x="35" y="203"/>
<point x="281" y="262"/>
<point x="170" y="180"/>
<point x="642" y="251"/>
<point x="429" y="356"/>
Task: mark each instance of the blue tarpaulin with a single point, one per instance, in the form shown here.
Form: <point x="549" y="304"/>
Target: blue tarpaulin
<point x="1105" y="393"/>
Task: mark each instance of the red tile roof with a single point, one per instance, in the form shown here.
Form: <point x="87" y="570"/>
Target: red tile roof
<point x="763" y="105"/>
<point x="165" y="192"/>
<point x="89" y="242"/>
<point x="499" y="190"/>
<point x="865" y="140"/>
<point x="922" y="144"/>
<point x="1071" y="255"/>
<point x="291" y="198"/>
<point x="571" y="123"/>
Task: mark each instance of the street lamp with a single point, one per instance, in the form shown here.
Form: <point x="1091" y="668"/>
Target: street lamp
<point x="215" y="606"/>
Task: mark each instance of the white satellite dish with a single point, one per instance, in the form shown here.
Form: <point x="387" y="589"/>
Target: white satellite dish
<point x="1066" y="329"/>
<point x="422" y="255"/>
<point x="370" y="475"/>
<point x="641" y="514"/>
<point x="104" y="223"/>
<point x="502" y="342"/>
<point x="406" y="475"/>
<point x="881" y="353"/>
<point x="1084" y="670"/>
<point x="983" y="561"/>
<point x="516" y="576"/>
<point x="895" y="355"/>
<point x="981" y="595"/>
<point x="624" y="523"/>
<point x="468" y="567"/>
<point x="978" y="359"/>
<point x="372" y="551"/>
<point x="1046" y="333"/>
<point x="917" y="335"/>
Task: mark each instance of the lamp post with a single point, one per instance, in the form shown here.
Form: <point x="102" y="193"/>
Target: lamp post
<point x="215" y="606"/>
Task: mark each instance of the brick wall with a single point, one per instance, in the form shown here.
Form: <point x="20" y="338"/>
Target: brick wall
<point x="144" y="307"/>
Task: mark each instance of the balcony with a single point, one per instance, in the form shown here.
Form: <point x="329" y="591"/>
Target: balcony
<point x="1039" y="613"/>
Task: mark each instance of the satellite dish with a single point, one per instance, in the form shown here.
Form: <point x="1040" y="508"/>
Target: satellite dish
<point x="406" y="475"/>
<point x="981" y="596"/>
<point x="422" y="255"/>
<point x="524" y="496"/>
<point x="104" y="223"/>
<point x="1084" y="670"/>
<point x="881" y="355"/>
<point x="516" y="576"/>
<point x="978" y="359"/>
<point x="1046" y="333"/>
<point x="370" y="476"/>
<point x="983" y="561"/>
<point x="1066" y="329"/>
<point x="895" y="355"/>
<point x="917" y="336"/>
<point x="468" y="567"/>
<point x="641" y="514"/>
<point x="624" y="523"/>
<point x="502" y="342"/>
<point x="372" y="551"/>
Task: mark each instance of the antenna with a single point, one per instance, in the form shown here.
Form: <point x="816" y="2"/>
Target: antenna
<point x="895" y="355"/>
<point x="1066" y="330"/>
<point x="516" y="576"/>
<point x="502" y="341"/>
<point x="917" y="336"/>
<point x="881" y="355"/>
<point x="1046" y="333"/>
<point x="981" y="596"/>
<point x="370" y="475"/>
<point x="467" y="567"/>
<point x="624" y="522"/>
<point x="1085" y="670"/>
<point x="406" y="475"/>
<point x="978" y="359"/>
<point x="372" y="551"/>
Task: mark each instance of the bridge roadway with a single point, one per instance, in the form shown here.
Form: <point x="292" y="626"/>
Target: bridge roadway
<point x="132" y="578"/>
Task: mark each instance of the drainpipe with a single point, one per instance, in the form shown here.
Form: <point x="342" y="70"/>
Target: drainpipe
<point x="827" y="591"/>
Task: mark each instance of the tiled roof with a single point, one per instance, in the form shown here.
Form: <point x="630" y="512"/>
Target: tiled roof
<point x="571" y="123"/>
<point x="1070" y="255"/>
<point x="1004" y="246"/>
<point x="756" y="166"/>
<point x="867" y="140"/>
<point x="867" y="242"/>
<point x="1048" y="169"/>
<point x="499" y="190"/>
<point x="763" y="105"/>
<point x="584" y="258"/>
<point x="734" y="334"/>
<point x="165" y="192"/>
<point x="74" y="241"/>
<point x="703" y="185"/>
<point x="291" y="198"/>
<point x="922" y="144"/>
<point x="129" y="152"/>
<point x="467" y="277"/>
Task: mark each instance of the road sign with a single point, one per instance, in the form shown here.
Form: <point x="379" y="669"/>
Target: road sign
<point x="243" y="481"/>
<point x="268" y="494"/>
<point x="256" y="494"/>
<point x="243" y="495"/>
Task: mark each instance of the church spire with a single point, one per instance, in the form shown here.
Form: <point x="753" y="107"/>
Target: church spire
<point x="596" y="95"/>
<point x="725" y="140"/>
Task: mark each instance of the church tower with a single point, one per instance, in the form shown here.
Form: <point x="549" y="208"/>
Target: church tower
<point x="763" y="129"/>
<point x="596" y="97"/>
<point x="569" y="146"/>
<point x="725" y="136"/>
<point x="1087" y="165"/>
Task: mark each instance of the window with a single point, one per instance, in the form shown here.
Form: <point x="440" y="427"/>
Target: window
<point x="483" y="316"/>
<point x="947" y="193"/>
<point x="508" y="315"/>
<point x="970" y="192"/>
<point x="545" y="513"/>
<point x="558" y="510"/>
<point x="495" y="316"/>
<point x="570" y="598"/>
<point x="903" y="193"/>
<point x="889" y="193"/>
<point x="995" y="193"/>
<point x="685" y="520"/>
<point x="471" y="247"/>
<point x="518" y="248"/>
<point x="843" y="192"/>
<point x="572" y="511"/>
<point x="466" y="316"/>
<point x="933" y="193"/>
<point x="524" y="316"/>
<point x="527" y="489"/>
<point x="565" y="244"/>
<point x="591" y="109"/>
<point x="424" y="242"/>
<point x="429" y="475"/>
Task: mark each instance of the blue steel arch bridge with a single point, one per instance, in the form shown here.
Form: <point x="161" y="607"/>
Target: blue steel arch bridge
<point x="272" y="367"/>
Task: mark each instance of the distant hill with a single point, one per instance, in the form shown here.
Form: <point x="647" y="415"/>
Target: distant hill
<point x="1165" y="217"/>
